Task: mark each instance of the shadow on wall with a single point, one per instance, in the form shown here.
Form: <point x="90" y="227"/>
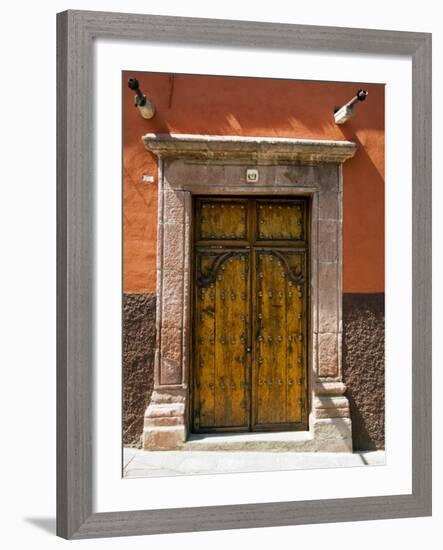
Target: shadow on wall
<point x="199" y="104"/>
<point x="248" y="106"/>
<point x="363" y="212"/>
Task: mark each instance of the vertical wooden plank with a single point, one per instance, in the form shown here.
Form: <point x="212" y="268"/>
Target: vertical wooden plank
<point x="221" y="407"/>
<point x="261" y="374"/>
<point x="232" y="292"/>
<point x="296" y="340"/>
<point x="204" y="366"/>
<point x="271" y="390"/>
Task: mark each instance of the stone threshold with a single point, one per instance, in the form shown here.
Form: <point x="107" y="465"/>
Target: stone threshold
<point x="251" y="441"/>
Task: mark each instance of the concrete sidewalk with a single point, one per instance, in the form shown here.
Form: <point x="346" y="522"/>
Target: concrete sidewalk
<point x="138" y="463"/>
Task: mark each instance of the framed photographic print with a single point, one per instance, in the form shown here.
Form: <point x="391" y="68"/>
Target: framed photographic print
<point x="244" y="274"/>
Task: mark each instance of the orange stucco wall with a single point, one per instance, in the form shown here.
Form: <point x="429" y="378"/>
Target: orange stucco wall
<point x="257" y="107"/>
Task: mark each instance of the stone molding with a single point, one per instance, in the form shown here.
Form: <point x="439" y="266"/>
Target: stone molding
<point x="191" y="165"/>
<point x="252" y="149"/>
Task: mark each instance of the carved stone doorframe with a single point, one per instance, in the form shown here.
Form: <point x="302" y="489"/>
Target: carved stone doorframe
<point x="204" y="165"/>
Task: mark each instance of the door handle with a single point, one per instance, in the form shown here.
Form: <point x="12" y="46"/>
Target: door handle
<point x="248" y="349"/>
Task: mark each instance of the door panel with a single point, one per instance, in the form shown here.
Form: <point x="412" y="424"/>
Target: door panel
<point x="222" y="321"/>
<point x="270" y="378"/>
<point x="280" y="337"/>
<point x="249" y="314"/>
<point x="280" y="220"/>
<point x="222" y="219"/>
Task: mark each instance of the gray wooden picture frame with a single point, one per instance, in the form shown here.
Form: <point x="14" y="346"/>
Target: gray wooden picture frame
<point x="76" y="31"/>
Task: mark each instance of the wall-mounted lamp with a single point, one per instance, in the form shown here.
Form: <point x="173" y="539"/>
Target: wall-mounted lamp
<point x="342" y="114"/>
<point x="143" y="104"/>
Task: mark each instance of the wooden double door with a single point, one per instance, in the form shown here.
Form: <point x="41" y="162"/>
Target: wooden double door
<point x="249" y="344"/>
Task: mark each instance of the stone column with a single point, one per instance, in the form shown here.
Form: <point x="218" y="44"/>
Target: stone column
<point x="165" y="417"/>
<point x="330" y="418"/>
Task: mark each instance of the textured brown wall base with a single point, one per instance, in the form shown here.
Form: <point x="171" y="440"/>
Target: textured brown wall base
<point x="138" y="362"/>
<point x="364" y="367"/>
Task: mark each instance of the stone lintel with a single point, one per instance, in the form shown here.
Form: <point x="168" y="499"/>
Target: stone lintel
<point x="209" y="147"/>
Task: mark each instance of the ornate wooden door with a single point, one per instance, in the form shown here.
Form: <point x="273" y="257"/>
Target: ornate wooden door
<point x="249" y="314"/>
